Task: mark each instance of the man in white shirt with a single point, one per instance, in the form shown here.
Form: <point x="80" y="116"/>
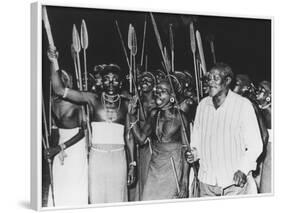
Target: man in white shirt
<point x="226" y="138"/>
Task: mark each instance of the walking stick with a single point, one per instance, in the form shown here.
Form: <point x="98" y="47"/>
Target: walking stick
<point x="77" y="49"/>
<point x="201" y="52"/>
<point x="46" y="146"/>
<point x="175" y="173"/>
<point x="193" y="49"/>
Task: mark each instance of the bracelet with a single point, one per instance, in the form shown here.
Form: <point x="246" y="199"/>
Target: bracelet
<point x="133" y="163"/>
<point x="62" y="147"/>
<point x="65" y="92"/>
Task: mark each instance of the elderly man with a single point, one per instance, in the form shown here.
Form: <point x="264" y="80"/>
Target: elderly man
<point x="108" y="113"/>
<point x="226" y="138"/>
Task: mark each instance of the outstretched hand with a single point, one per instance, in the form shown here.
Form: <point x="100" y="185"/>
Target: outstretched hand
<point x="239" y="178"/>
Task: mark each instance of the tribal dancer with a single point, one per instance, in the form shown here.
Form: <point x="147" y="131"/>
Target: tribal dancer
<point x="244" y="86"/>
<point x="165" y="180"/>
<point x="70" y="169"/>
<point x="264" y="99"/>
<point x="146" y="82"/>
<point x="107" y="158"/>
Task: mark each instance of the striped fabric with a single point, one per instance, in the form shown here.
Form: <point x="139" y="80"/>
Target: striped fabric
<point x="227" y="139"/>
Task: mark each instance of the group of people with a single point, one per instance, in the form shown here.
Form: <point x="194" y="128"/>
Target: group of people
<point x="150" y="144"/>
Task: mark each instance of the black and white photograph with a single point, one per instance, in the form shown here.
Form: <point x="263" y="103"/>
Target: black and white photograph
<point x="142" y="106"/>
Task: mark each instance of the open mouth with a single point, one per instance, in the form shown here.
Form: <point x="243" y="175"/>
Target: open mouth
<point x="159" y="101"/>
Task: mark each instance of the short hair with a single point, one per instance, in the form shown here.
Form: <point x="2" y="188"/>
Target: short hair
<point x="111" y="68"/>
<point x="266" y="85"/>
<point x="244" y="78"/>
<point x="225" y="69"/>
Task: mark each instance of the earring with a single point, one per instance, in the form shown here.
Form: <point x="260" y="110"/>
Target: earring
<point x="172" y="99"/>
<point x="268" y="99"/>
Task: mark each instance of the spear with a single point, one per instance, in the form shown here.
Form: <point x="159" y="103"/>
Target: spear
<point x="77" y="49"/>
<point x="49" y="34"/>
<point x="143" y="40"/>
<point x="84" y="45"/>
<point x="75" y="65"/>
<point x="146" y="62"/>
<point x="172" y="46"/>
<point x="134" y="52"/>
<point x="201" y="52"/>
<point x="122" y="43"/>
<point x="193" y="49"/>
<point x="46" y="146"/>
<point x="130" y="44"/>
<point x="211" y="39"/>
<point x="186" y="141"/>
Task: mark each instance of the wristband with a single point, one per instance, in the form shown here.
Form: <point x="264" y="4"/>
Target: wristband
<point x="133" y="163"/>
<point x="65" y="92"/>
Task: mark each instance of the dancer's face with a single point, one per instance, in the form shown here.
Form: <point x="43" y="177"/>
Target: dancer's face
<point x="162" y="94"/>
<point x="111" y="83"/>
<point x="261" y="94"/>
<point x="146" y="83"/>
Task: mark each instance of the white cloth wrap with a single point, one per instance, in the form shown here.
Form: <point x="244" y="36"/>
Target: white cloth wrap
<point x="107" y="168"/>
<point x="107" y="133"/>
<point x="71" y="178"/>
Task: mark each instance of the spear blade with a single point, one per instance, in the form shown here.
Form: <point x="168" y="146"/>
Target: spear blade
<point x="84" y="35"/>
<point x="130" y="37"/>
<point x="201" y="52"/>
<point x="134" y="42"/>
<point x="192" y="38"/>
<point x="75" y="39"/>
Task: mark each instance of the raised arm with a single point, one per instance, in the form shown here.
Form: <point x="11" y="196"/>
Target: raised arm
<point x="60" y="89"/>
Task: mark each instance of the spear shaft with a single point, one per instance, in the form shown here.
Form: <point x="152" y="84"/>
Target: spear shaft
<point x="46" y="145"/>
<point x="172" y="46"/>
<point x="193" y="49"/>
<point x="201" y="52"/>
<point x="186" y="141"/>
<point x="143" y="40"/>
<point x="49" y="34"/>
<point x="122" y="43"/>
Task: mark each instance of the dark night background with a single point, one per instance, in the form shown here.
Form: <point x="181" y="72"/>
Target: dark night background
<point x="244" y="44"/>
